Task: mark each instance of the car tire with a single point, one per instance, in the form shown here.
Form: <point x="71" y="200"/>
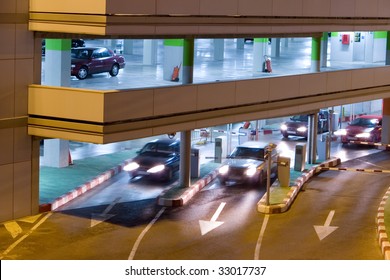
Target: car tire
<point x="285" y="135"/>
<point x="114" y="70"/>
<point x="82" y="73"/>
<point x="169" y="175"/>
<point x="222" y="181"/>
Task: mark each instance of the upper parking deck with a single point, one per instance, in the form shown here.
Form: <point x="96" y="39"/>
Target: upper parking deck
<point x="235" y="18"/>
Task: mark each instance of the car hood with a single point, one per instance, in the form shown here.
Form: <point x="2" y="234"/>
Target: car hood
<point x="295" y="124"/>
<point x="243" y="163"/>
<point x="353" y="129"/>
<point x="152" y="160"/>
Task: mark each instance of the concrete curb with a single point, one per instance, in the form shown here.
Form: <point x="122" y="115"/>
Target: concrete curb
<point x="383" y="240"/>
<point x="294" y="190"/>
<point x="188" y="193"/>
<point x="82" y="189"/>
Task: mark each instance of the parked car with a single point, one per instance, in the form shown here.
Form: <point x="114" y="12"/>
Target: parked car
<point x="158" y="159"/>
<point x="247" y="164"/>
<point x="298" y="125"/>
<point x="76" y="43"/>
<point x="93" y="60"/>
<point x="367" y="128"/>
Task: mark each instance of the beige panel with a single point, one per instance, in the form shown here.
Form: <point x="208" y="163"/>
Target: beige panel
<point x="312" y="84"/>
<point x="6" y="192"/>
<point x="176" y="30"/>
<point x="366" y="8"/>
<point x="132" y="7"/>
<point x="141" y="30"/>
<point x="381" y="75"/>
<point x="216" y="95"/>
<point x="24" y="42"/>
<point x="216" y="7"/>
<point x="284" y="87"/>
<point x="7" y="94"/>
<point x="255" y="8"/>
<point x="313" y="8"/>
<point x="254" y="29"/>
<point x="171" y="7"/>
<point x="70" y="6"/>
<point x="215" y="121"/>
<point x="174" y="128"/>
<point x="24" y="68"/>
<point x="252" y="91"/>
<point x="338" y="81"/>
<point x="68" y="103"/>
<point x="6" y="146"/>
<point x="362" y="78"/>
<point x="287" y="8"/>
<point x="383" y="8"/>
<point x="22" y="145"/>
<point x="68" y="28"/>
<point x="21" y="6"/>
<point x="125" y="105"/>
<point x="342" y="8"/>
<point x="174" y="100"/>
<point x="127" y="135"/>
<point x="8" y="6"/>
<point x="7" y="51"/>
<point x="22" y="189"/>
<point x="217" y="29"/>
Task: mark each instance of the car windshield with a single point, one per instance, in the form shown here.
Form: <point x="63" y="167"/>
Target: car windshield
<point x="81" y="54"/>
<point x="300" y="118"/>
<point x="365" y="122"/>
<point x="162" y="149"/>
<point x="250" y="153"/>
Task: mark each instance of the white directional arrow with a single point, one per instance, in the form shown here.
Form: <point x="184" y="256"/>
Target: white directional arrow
<point x="207" y="226"/>
<point x="101" y="217"/>
<point x="326" y="229"/>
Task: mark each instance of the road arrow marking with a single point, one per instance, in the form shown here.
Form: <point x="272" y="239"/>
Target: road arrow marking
<point x="101" y="217"/>
<point x="207" y="226"/>
<point x="13" y="228"/>
<point x="326" y="229"/>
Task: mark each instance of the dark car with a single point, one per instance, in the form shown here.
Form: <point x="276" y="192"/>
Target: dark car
<point x="247" y="164"/>
<point x="76" y="43"/>
<point x="158" y="159"/>
<point x="367" y="128"/>
<point x="94" y="60"/>
<point x="298" y="125"/>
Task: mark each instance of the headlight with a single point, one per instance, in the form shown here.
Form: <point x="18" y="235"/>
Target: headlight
<point x="302" y="129"/>
<point x="250" y="171"/>
<point x="283" y="127"/>
<point x="340" y="132"/>
<point x="131" y="166"/>
<point x="223" y="169"/>
<point x="363" y="135"/>
<point x="156" y="169"/>
<point x="73" y="65"/>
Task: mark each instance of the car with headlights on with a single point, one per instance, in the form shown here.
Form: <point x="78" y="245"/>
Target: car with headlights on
<point x="366" y="128"/>
<point x="248" y="164"/>
<point x="158" y="159"/>
<point x="298" y="125"/>
<point x="94" y="60"/>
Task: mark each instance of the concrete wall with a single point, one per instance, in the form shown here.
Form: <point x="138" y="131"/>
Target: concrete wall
<point x="17" y="196"/>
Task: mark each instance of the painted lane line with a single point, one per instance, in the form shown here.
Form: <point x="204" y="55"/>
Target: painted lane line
<point x="13" y="245"/>
<point x="260" y="239"/>
<point x="13" y="228"/>
<point x="143" y="233"/>
<point x="101" y="217"/>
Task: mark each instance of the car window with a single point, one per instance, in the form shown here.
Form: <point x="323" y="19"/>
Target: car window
<point x="81" y="54"/>
<point x="300" y="118"/>
<point x="251" y="153"/>
<point x="105" y="53"/>
<point x="365" y="122"/>
<point x="162" y="148"/>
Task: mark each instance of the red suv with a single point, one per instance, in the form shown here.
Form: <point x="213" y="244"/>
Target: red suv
<point x="366" y="128"/>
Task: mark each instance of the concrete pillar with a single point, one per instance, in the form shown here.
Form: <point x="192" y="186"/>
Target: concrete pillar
<point x="57" y="73"/>
<point x="219" y="49"/>
<point x="150" y="52"/>
<point x="188" y="61"/>
<point x="185" y="159"/>
<point x="173" y="57"/>
<point x="275" y="47"/>
<point x="312" y="138"/>
<point x="324" y="49"/>
<point x="128" y="46"/>
<point x="240" y="43"/>
<point x="316" y="54"/>
<point x="388" y="49"/>
<point x="260" y="46"/>
<point x="386" y="121"/>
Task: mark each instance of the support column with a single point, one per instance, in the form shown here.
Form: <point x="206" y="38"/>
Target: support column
<point x="324" y="49"/>
<point x="240" y="43"/>
<point x="185" y="159"/>
<point x="219" y="49"/>
<point x="57" y="73"/>
<point x="260" y="46"/>
<point x="316" y="54"/>
<point x="386" y="121"/>
<point x="388" y="48"/>
<point x="188" y="61"/>
<point x="128" y="46"/>
<point x="150" y="52"/>
<point x="312" y="138"/>
<point x="173" y="57"/>
<point x="275" y="47"/>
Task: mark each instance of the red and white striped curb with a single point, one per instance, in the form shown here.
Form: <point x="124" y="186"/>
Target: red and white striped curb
<point x="189" y="192"/>
<point x="369" y="143"/>
<point x="353" y="169"/>
<point x="82" y="189"/>
<point x="294" y="190"/>
<point x="383" y="240"/>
